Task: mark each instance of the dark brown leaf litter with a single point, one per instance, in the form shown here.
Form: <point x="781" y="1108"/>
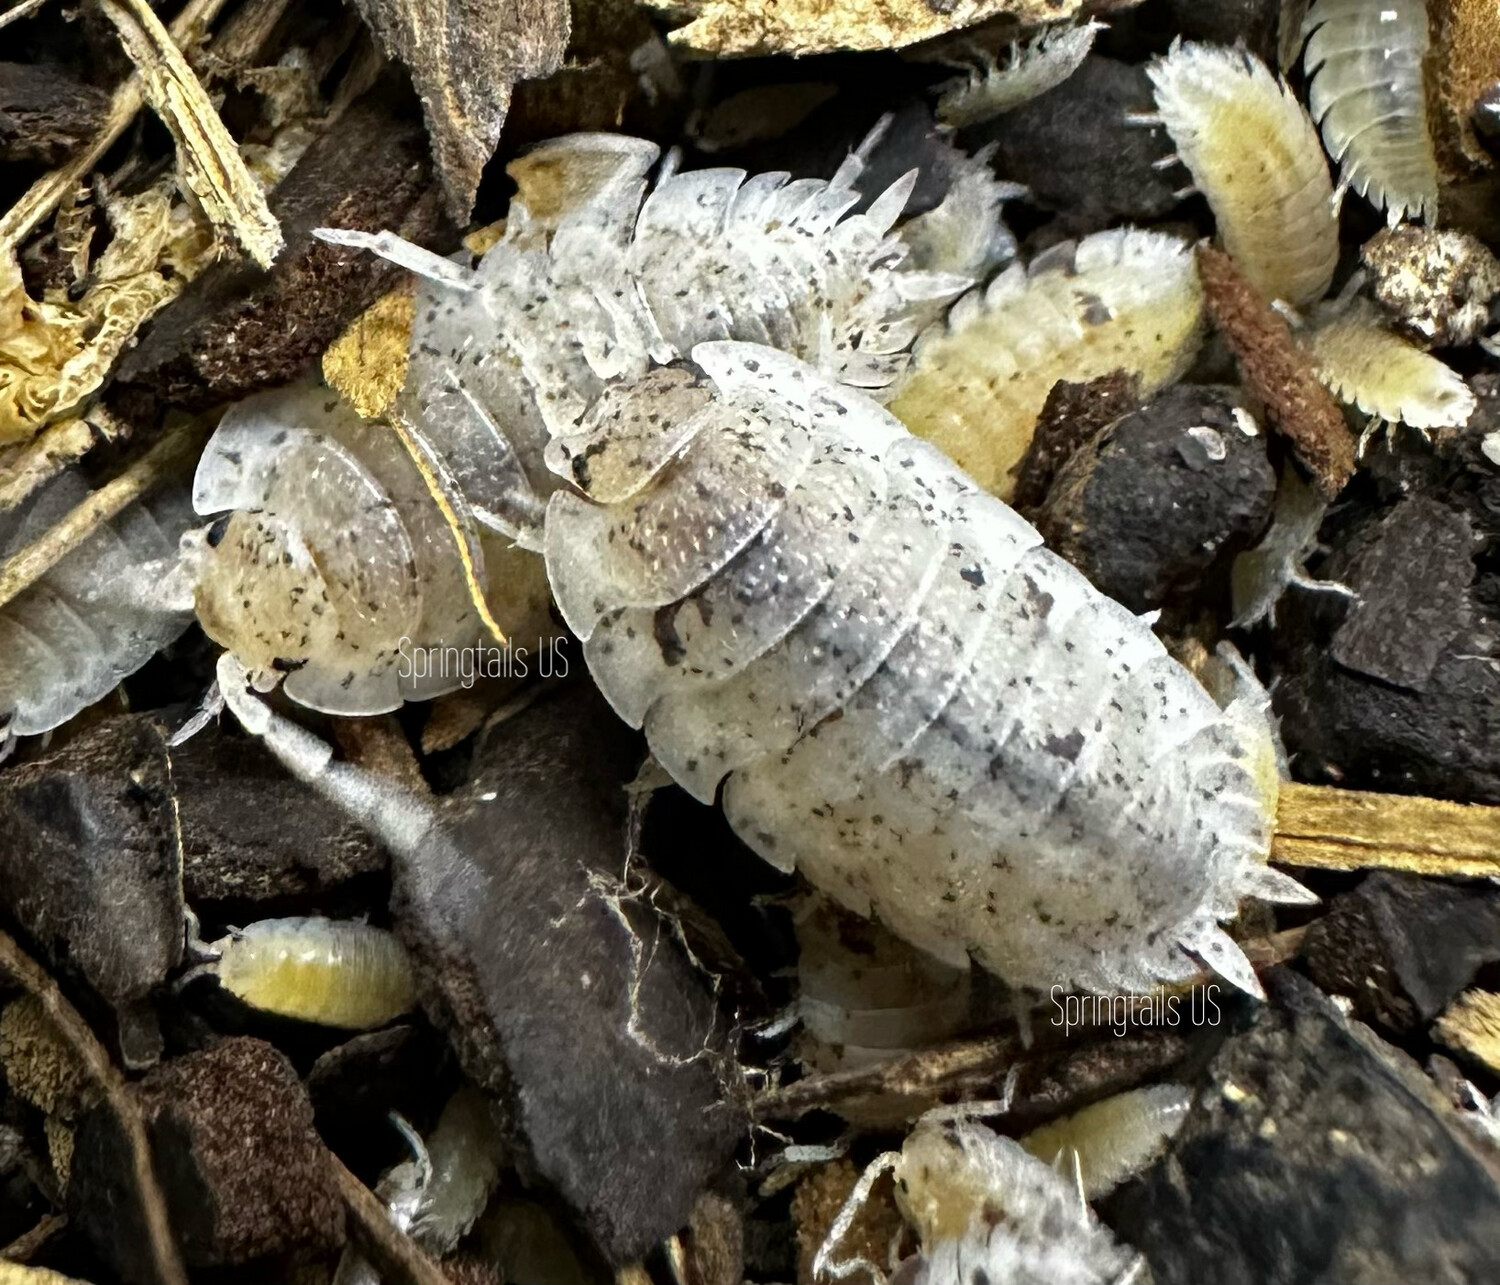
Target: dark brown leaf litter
<point x="465" y="59"/>
<point x="45" y="112"/>
<point x="243" y="1170"/>
<point x="1071" y="416"/>
<point x="1277" y="373"/>
<point x="238" y="329"/>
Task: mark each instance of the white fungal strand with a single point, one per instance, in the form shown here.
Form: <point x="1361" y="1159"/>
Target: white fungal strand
<point x="1119" y="300"/>
<point x="333" y="566"/>
<point x="1364" y="61"/>
<point x="1374" y="369"/>
<point x="1253" y="152"/>
<point x="333" y="972"/>
<point x="1040" y="64"/>
<point x="903" y="694"/>
<point x="1110" y="1141"/>
<point x="95" y="617"/>
<point x="592" y="283"/>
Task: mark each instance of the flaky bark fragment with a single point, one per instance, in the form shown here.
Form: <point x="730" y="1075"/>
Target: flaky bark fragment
<point x="1278" y="373"/>
<point x="464" y="57"/>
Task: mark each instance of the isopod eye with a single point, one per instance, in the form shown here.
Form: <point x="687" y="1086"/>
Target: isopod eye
<point x="217" y="530"/>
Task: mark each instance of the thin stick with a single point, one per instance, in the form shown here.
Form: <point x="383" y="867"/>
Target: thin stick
<point x="20" y="11"/>
<point x="26" y="1246"/>
<point x="208" y="159"/>
<point x="40" y="460"/>
<point x="392" y="1252"/>
<point x="29" y="564"/>
<point x="43" y="196"/>
<point x="1335" y="829"/>
<point x="76" y="1034"/>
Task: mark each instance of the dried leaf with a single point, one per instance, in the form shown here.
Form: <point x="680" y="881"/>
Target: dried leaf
<point x="36" y="340"/>
<point x="464" y="57"/>
<point x="742" y="28"/>
<point x="207" y="156"/>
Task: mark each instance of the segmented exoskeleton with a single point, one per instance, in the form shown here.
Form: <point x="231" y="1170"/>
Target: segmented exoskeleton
<point x="901" y="692"/>
<point x="1040" y="64"/>
<point x="1367" y="93"/>
<point x="98" y="615"/>
<point x="1119" y="300"/>
<point x="1253" y="152"/>
<point x="984" y="1209"/>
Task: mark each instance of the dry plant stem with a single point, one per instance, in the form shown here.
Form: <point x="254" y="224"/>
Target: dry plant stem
<point x="75" y="1033"/>
<point x="31" y="563"/>
<point x="22" y="10"/>
<point x="1350" y="830"/>
<point x="246" y="30"/>
<point x="43" y="196"/>
<point x="208" y="158"/>
<point x="43" y="458"/>
<point x="26" y="1246"/>
<point x="393" y="1253"/>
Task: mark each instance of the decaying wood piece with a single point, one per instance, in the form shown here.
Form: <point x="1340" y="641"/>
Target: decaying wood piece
<point x="26" y="972"/>
<point x="43" y="458"/>
<point x="745" y="28"/>
<point x="1352" y="830"/>
<point x="464" y="58"/>
<point x="207" y="157"/>
<point x="1472" y="1025"/>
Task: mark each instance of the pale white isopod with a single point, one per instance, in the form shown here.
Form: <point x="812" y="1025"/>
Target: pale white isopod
<point x="330" y="971"/>
<point x="985" y="1209"/>
<point x="1040" y="64"/>
<point x="1366" y="89"/>
<point x="902" y="694"/>
<point x="1253" y="152"/>
<point x="98" y="615"/>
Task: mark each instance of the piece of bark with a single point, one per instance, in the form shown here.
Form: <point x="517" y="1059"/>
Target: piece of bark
<point x="1314" y="1152"/>
<point x="1073" y="413"/>
<point x="562" y="990"/>
<point x="243" y="1170"/>
<point x="464" y="58"/>
<point x="1403" y="946"/>
<point x="238" y="329"/>
<point x="89" y="867"/>
<point x="746" y="28"/>
<point x="45" y="113"/>
<point x="1277" y="373"/>
<point x="1472" y="1027"/>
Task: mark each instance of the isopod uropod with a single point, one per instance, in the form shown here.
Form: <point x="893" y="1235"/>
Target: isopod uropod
<point x="1366" y="89"/>
<point x="334" y="972"/>
<point x="1253" y="152"/>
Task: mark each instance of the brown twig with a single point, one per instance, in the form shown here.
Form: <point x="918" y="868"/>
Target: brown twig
<point x="29" y="1243"/>
<point x="75" y="1032"/>
<point x="29" y="564"/>
<point x="43" y="195"/>
<point x="393" y="1253"/>
<point x="208" y="159"/>
<point x="22" y="10"/>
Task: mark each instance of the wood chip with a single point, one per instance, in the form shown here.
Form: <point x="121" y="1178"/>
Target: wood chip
<point x="208" y="158"/>
<point x="1351" y="830"/>
<point x="1278" y="373"/>
<point x="745" y="28"/>
<point x="1472" y="1025"/>
<point x="464" y="56"/>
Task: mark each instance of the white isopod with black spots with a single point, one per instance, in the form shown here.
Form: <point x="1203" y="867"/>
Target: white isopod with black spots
<point x="898" y="690"/>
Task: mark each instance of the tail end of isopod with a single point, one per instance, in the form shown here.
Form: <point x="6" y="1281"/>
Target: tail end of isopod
<point x="1220" y="952"/>
<point x="1268" y="884"/>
